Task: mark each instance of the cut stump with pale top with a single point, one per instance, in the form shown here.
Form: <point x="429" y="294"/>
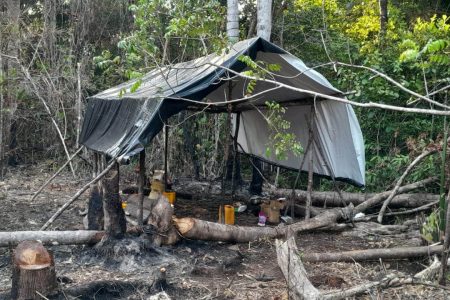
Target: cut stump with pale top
<point x="33" y="272"/>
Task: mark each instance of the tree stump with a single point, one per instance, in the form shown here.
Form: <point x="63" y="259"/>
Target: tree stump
<point x="33" y="272"/>
<point x="114" y="217"/>
<point x="95" y="208"/>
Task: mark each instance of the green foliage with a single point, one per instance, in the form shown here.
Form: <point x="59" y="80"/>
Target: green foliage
<point x="430" y="228"/>
<point x="281" y="142"/>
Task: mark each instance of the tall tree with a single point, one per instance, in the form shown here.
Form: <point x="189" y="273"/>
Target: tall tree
<point x="264" y="11"/>
<point x="232" y="21"/>
<point x="383" y="17"/>
<point x="13" y="44"/>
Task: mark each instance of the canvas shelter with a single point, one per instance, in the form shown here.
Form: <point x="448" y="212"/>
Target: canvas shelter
<point x="119" y="123"/>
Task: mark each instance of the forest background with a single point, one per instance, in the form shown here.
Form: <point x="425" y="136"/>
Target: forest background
<point x="56" y="53"/>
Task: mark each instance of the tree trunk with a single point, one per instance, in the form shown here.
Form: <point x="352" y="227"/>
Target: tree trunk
<point x="13" y="45"/>
<point x="232" y="21"/>
<point x="49" y="34"/>
<point x="95" y="208"/>
<point x="209" y="231"/>
<point x="264" y="12"/>
<point x="162" y="231"/>
<point x="383" y="17"/>
<point x="331" y="199"/>
<point x="373" y="254"/>
<point x="114" y="216"/>
<point x="75" y="237"/>
<point x="34" y="275"/>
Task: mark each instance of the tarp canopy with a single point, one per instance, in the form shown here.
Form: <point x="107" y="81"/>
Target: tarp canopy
<point x="119" y="122"/>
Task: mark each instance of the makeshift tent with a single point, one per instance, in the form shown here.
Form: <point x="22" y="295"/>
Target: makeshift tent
<point x="119" y="123"/>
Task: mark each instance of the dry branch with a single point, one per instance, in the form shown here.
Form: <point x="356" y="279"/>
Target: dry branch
<point x="373" y="254"/>
<point x="375" y="200"/>
<point x="299" y="286"/>
<point x="400" y="182"/>
<point x="56" y="174"/>
<point x="78" y="194"/>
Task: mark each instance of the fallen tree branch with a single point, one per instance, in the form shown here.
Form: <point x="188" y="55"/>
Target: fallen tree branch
<point x="400" y="181"/>
<point x="373" y="254"/>
<point x="390" y="280"/>
<point x="56" y="174"/>
<point x="399" y="213"/>
<point x="51" y="237"/>
<point x="379" y="197"/>
<point x="78" y="194"/>
<point x="299" y="286"/>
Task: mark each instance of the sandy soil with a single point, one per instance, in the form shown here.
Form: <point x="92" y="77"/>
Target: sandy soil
<point x="195" y="269"/>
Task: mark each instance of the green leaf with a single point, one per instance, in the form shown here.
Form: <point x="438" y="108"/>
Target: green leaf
<point x="440" y="59"/>
<point x="135" y="86"/>
<point x="409" y="55"/>
<point x="274" y="67"/>
<point x="437" y="45"/>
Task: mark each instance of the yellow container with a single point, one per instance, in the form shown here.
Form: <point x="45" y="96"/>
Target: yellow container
<point x="229" y="214"/>
<point x="171" y="196"/>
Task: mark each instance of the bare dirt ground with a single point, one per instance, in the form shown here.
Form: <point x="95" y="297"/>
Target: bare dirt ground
<point x="195" y="269"/>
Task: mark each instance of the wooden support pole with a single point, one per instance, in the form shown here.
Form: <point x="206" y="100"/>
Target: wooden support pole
<point x="311" y="165"/>
<point x="78" y="194"/>
<point x="166" y="149"/>
<point x="235" y="149"/>
<point x="141" y="184"/>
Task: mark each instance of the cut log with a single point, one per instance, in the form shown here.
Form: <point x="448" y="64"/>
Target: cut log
<point x="209" y="231"/>
<point x="34" y="275"/>
<point x="331" y="199"/>
<point x="75" y="237"/>
<point x="319" y="199"/>
<point x="373" y="254"/>
<point x="299" y="286"/>
<point x="114" y="217"/>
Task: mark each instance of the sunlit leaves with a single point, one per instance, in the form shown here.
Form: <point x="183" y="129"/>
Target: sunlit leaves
<point x="409" y="55"/>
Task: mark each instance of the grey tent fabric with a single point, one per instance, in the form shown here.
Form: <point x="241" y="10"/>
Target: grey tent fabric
<point x="119" y="123"/>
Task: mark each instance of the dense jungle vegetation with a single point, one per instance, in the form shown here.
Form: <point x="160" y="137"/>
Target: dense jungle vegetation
<point x="56" y="53"/>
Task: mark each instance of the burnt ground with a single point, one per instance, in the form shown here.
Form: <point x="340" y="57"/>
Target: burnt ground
<point x="195" y="269"/>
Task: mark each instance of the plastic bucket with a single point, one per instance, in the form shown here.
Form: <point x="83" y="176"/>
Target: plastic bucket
<point x="171" y="196"/>
<point x="229" y="214"/>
